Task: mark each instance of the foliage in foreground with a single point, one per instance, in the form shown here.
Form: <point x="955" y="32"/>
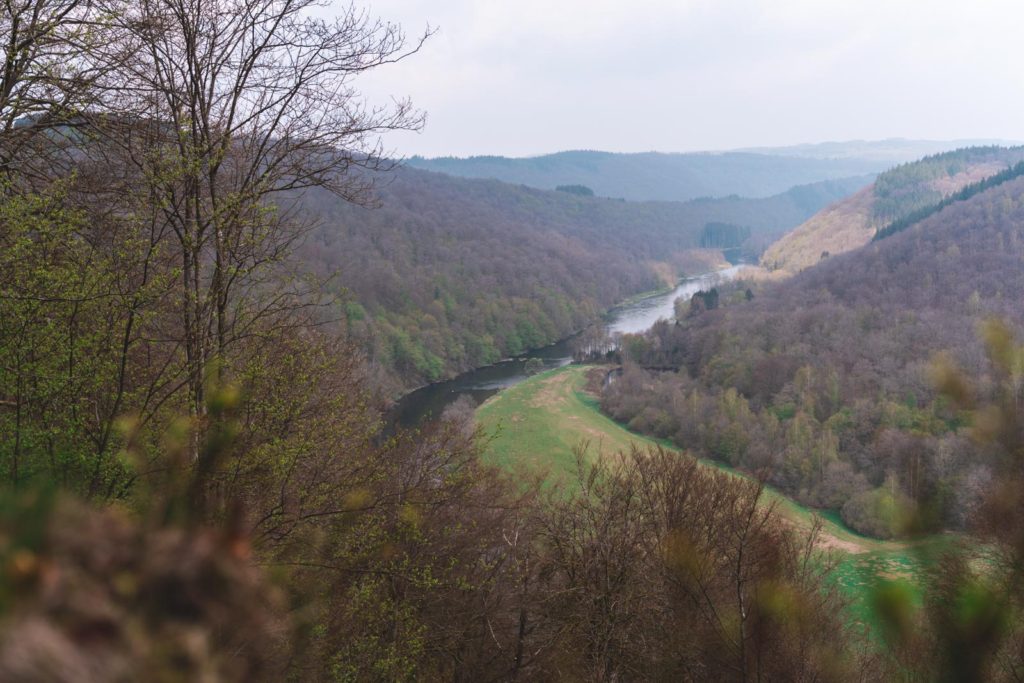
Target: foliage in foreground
<point x="93" y="595"/>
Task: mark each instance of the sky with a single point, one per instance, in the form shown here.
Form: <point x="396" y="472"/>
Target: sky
<point x="527" y="77"/>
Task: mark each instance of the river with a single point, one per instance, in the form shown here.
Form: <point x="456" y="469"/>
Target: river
<point x="480" y="384"/>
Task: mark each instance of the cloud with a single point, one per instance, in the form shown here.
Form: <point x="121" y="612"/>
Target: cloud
<point x="534" y="76"/>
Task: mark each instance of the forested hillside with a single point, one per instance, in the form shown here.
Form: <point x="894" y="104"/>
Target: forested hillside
<point x="896" y="194"/>
<point x="657" y="176"/>
<point x="829" y="382"/>
<point x="450" y="274"/>
<point x="194" y="482"/>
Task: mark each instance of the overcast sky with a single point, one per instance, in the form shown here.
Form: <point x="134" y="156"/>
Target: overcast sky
<point x="525" y="77"/>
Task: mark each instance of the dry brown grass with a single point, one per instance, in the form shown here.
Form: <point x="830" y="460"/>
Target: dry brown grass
<point x="845" y="226"/>
<point x="841" y="227"/>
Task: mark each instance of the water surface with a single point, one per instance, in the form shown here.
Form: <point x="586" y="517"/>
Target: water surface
<point x="480" y="384"/>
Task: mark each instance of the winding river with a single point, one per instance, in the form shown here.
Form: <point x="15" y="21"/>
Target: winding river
<point x="482" y="383"/>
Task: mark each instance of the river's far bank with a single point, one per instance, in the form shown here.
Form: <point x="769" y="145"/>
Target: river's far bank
<point x="604" y="317"/>
<point x="631" y="316"/>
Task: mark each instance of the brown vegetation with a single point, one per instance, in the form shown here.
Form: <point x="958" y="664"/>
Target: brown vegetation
<point x="197" y="486"/>
<point x="451" y="274"/>
<point x="821" y="382"/>
<point x="851" y="223"/>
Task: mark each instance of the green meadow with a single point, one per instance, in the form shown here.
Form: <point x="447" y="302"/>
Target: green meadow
<point x="538" y="424"/>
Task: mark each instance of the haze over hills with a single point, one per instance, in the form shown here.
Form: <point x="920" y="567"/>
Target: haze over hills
<point x="754" y="172"/>
<point x="451" y="273"/>
<point x="655" y="175"/>
<point x="897" y="193"/>
<point x="891" y="151"/>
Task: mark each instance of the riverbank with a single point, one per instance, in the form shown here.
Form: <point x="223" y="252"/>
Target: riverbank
<point x="634" y="315"/>
<point x="604" y="317"/>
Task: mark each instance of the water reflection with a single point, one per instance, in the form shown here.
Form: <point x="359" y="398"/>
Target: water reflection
<point x="640" y="315"/>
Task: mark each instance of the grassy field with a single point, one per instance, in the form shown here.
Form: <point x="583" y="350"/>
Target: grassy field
<point x="537" y="424"/>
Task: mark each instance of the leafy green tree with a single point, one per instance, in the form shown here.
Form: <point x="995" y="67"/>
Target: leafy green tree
<point x="67" y="335"/>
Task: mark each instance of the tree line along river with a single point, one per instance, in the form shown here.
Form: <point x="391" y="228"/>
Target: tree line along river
<point x="480" y="384"/>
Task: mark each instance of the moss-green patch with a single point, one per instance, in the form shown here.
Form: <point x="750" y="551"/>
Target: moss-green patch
<point x="538" y="423"/>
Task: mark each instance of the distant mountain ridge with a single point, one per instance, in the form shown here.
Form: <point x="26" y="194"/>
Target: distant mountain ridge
<point x="896" y="194"/>
<point x="452" y="273"/>
<point x="890" y="151"/>
<point x="656" y="176"/>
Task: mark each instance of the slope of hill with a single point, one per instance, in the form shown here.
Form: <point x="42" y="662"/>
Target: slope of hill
<point x="656" y="176"/>
<point x="897" y="193"/>
<point x="824" y="382"/>
<point x="451" y="274"/>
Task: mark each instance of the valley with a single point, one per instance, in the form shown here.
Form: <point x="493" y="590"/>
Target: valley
<point x="458" y="342"/>
<point x="536" y="426"/>
<point x="452" y="274"/>
<point x="629" y="317"/>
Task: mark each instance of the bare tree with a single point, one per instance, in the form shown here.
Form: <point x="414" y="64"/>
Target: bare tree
<point x="227" y="111"/>
<point x="47" y="78"/>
